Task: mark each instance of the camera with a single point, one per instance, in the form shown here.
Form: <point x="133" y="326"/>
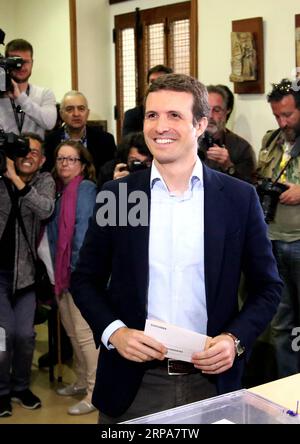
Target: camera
<point x="136" y="165"/>
<point x="6" y="66"/>
<point x="12" y="146"/>
<point x="268" y="193"/>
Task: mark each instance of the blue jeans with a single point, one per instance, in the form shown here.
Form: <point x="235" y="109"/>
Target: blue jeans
<point x="288" y="313"/>
<point x="17" y="323"/>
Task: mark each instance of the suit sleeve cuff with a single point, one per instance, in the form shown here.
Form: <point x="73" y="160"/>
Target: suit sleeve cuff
<point x="114" y="326"/>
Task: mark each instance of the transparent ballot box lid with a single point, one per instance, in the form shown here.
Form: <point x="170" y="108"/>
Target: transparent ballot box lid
<point x="239" y="407"/>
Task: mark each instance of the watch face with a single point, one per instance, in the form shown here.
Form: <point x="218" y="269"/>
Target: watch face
<point x="231" y="170"/>
<point x="239" y="348"/>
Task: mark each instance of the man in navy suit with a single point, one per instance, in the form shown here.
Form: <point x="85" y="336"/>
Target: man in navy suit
<point x="181" y="265"/>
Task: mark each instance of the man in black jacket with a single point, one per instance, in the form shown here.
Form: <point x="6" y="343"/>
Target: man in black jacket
<point x="74" y="112"/>
<point x="221" y="149"/>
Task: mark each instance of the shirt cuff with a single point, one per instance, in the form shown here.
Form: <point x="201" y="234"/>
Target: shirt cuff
<point x="114" y="326"/>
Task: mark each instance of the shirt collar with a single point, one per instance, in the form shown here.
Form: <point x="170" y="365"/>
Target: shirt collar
<point x="196" y="176"/>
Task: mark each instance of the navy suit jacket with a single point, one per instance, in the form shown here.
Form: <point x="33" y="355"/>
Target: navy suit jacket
<point x="235" y="240"/>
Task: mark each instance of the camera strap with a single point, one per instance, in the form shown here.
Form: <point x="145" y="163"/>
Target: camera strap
<point x="18" y="112"/>
<point x="15" y="204"/>
<point x="294" y="153"/>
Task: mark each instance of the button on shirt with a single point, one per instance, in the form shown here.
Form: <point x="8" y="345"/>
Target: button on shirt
<point x="176" y="291"/>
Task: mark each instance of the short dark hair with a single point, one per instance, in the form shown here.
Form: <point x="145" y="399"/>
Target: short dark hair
<point x="132" y="140"/>
<point x="229" y="99"/>
<point x="184" y="83"/>
<point x="159" y="68"/>
<point x="35" y="136"/>
<point x="216" y="89"/>
<point x="18" y="45"/>
<point x="285" y="88"/>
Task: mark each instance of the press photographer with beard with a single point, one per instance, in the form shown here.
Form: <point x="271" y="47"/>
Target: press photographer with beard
<point x="284" y="230"/>
<point x="26" y="198"/>
<point x="26" y="107"/>
<point x="220" y="148"/>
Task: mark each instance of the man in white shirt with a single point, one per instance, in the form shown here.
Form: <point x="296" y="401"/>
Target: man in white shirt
<point x="182" y="266"/>
<point x="26" y="107"/>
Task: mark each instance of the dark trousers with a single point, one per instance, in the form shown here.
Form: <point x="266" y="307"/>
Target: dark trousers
<point x="160" y="391"/>
<point x="17" y="336"/>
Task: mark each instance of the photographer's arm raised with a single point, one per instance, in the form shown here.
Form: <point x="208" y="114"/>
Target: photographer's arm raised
<point x="292" y="195"/>
<point x="120" y="171"/>
<point x="12" y="175"/>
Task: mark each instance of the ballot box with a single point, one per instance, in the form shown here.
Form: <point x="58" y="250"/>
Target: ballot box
<point x="239" y="407"/>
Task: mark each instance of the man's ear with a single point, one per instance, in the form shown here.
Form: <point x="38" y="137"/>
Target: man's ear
<point x="42" y="161"/>
<point x="201" y="126"/>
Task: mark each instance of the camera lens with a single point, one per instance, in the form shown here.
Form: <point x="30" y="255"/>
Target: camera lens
<point x="269" y="193"/>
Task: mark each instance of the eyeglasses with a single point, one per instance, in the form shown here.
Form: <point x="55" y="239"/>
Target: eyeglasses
<point x="69" y="160"/>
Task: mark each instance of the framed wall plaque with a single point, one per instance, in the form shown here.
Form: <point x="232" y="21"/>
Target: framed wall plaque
<point x="255" y="27"/>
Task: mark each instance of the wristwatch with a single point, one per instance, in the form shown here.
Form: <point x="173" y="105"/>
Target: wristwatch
<point x="239" y="349"/>
<point x="231" y="170"/>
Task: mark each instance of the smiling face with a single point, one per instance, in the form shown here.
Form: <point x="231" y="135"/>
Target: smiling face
<point x="169" y="130"/>
<point x="29" y="165"/>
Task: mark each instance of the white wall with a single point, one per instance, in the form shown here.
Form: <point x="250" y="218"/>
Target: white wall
<point x="7" y="20"/>
<point x="95" y="79"/>
<point x="45" y="24"/>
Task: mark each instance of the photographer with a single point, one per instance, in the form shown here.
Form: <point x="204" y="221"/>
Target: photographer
<point x="284" y="231"/>
<point x="26" y="198"/>
<point x="221" y="149"/>
<point x="132" y="155"/>
<point x="26" y="107"/>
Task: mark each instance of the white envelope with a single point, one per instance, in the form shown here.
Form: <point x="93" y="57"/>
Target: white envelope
<point x="180" y="342"/>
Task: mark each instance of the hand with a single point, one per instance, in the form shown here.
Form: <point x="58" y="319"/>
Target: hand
<point x="10" y="172"/>
<point x="220" y="155"/>
<point x="290" y="196"/>
<point x="12" y="175"/>
<point x="120" y="171"/>
<point x="217" y="357"/>
<point x="15" y="93"/>
<point x="136" y="346"/>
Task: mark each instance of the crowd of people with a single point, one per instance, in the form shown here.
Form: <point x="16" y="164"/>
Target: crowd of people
<point x="203" y="229"/>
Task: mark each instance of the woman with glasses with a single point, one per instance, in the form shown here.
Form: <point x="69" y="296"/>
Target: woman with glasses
<point x="76" y="193"/>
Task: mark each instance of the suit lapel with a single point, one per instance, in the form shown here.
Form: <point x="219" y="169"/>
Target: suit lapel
<point x="214" y="232"/>
<point x="139" y="240"/>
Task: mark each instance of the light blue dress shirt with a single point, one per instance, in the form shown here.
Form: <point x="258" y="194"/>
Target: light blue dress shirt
<point x="176" y="292"/>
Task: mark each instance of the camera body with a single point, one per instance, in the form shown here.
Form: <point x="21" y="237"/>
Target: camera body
<point x="12" y="146"/>
<point x="268" y="193"/>
<point x="136" y="165"/>
<point x="6" y="66"/>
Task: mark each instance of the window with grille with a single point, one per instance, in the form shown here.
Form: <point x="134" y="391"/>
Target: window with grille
<point x="150" y="37"/>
